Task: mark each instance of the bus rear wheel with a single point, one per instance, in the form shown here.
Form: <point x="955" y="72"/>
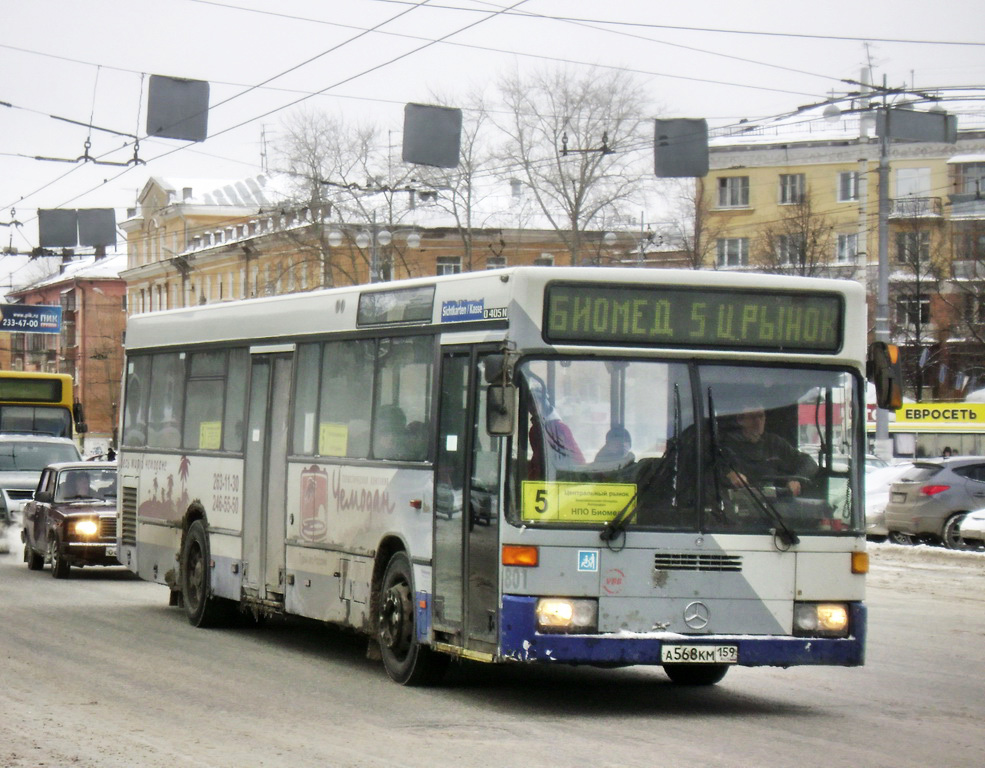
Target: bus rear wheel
<point x="696" y="674"/>
<point x="406" y="661"/>
<point x="202" y="609"/>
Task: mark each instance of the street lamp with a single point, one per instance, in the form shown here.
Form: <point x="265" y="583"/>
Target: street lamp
<point x="373" y="239"/>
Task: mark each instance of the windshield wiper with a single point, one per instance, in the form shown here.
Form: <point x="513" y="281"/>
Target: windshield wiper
<point x="613" y="528"/>
<point x="760" y="501"/>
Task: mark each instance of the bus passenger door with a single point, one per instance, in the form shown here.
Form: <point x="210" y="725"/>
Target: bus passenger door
<point x="265" y="487"/>
<point x="466" y="515"/>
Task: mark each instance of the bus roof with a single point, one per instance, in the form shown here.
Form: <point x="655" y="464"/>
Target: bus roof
<point x="489" y="296"/>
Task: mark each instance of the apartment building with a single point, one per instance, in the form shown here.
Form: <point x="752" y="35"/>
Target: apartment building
<point x="801" y="196"/>
<point x="194" y="242"/>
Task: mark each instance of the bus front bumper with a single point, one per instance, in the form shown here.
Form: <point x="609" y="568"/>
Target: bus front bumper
<point x="520" y="641"/>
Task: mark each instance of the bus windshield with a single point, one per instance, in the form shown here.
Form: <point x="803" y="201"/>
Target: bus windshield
<point x="36" y="419"/>
<point x="686" y="446"/>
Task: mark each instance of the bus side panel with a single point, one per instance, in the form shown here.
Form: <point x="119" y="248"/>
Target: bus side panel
<point x="337" y="517"/>
<point x="166" y="487"/>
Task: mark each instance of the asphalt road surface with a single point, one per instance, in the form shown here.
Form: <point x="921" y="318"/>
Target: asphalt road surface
<point x="98" y="671"/>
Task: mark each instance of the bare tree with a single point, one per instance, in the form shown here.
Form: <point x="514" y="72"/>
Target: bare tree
<point x="346" y="173"/>
<point x="801" y="242"/>
<point x="692" y="225"/>
<point x="919" y="262"/>
<point x="570" y="137"/>
<point x="460" y="191"/>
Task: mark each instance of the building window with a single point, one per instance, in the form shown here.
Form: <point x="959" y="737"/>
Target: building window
<point x="448" y="265"/>
<point x="913" y="182"/>
<point x="733" y="192"/>
<point x="847" y="186"/>
<point x="913" y="247"/>
<point x="847" y="248"/>
<point x="733" y="251"/>
<point x="913" y="310"/>
<point x="495" y="262"/>
<point x="790" y="249"/>
<point x="792" y="188"/>
<point x="974" y="310"/>
<point x="969" y="178"/>
<point x="544" y="260"/>
<point x="969" y="243"/>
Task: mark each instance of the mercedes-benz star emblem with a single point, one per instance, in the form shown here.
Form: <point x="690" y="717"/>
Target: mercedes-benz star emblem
<point x="696" y="615"/>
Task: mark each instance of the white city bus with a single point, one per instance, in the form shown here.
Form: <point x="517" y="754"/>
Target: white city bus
<point x="519" y="465"/>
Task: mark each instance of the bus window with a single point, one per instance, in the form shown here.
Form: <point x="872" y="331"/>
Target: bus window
<point x="403" y="398"/>
<point x="203" y="404"/>
<point x="307" y="364"/>
<point x="137" y="396"/>
<point x="166" y="400"/>
<point x="346" y="398"/>
<point x="573" y="414"/>
<point x="232" y="427"/>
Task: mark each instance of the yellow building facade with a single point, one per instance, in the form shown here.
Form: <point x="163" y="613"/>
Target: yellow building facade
<point x="803" y="197"/>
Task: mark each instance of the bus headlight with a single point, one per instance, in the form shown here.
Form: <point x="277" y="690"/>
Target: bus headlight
<point x="820" y="619"/>
<point x="86" y="527"/>
<point x="564" y="614"/>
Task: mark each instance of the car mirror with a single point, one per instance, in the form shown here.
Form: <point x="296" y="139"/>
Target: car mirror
<point x="43" y="496"/>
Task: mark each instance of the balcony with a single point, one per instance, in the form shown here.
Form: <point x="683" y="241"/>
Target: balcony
<point x="916" y="208"/>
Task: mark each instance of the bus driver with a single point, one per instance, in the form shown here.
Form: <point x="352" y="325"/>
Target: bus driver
<point x="754" y="454"/>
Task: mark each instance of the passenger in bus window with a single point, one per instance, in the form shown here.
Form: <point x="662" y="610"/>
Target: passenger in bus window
<point x="547" y="428"/>
<point x="389" y="433"/>
<point x="416" y="438"/>
<point x="616" y="451"/>
<point x="754" y="455"/>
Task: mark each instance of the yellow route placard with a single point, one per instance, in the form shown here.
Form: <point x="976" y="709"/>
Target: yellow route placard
<point x="574" y="502"/>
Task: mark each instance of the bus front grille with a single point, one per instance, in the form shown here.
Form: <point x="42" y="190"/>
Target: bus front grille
<point x="690" y="562"/>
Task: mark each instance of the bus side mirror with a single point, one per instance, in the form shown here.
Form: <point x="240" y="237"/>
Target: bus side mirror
<point x="499" y="409"/>
<point x="883" y="369"/>
<point x="80" y="420"/>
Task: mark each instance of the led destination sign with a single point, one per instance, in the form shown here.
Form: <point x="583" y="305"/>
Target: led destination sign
<point x="680" y="316"/>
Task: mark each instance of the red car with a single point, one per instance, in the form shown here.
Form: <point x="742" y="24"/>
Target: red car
<point x="71" y="521"/>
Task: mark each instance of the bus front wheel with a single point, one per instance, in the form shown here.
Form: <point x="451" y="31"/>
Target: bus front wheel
<point x="695" y="674"/>
<point x="406" y="661"/>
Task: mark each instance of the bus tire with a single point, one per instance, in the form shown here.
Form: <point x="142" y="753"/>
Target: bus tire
<point x="695" y="674"/>
<point x="201" y="607"/>
<point x="60" y="567"/>
<point x="406" y="661"/>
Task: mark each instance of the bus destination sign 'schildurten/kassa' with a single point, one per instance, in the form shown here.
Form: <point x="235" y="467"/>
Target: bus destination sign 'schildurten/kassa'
<point x="682" y="316"/>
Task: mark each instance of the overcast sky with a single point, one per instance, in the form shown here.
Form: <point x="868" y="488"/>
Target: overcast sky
<point x="89" y="61"/>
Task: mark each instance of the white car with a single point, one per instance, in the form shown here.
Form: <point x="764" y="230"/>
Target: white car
<point x="877" y="482"/>
<point x="973" y="529"/>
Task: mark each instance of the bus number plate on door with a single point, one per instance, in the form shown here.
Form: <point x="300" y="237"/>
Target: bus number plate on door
<point x="699" y="654"/>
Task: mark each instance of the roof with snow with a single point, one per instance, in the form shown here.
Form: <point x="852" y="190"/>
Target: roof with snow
<point x="261" y="191"/>
<point x="854" y="122"/>
<point x="83" y="268"/>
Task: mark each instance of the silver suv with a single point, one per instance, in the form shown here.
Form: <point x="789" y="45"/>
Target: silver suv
<point x="931" y="499"/>
<point x="22" y="458"/>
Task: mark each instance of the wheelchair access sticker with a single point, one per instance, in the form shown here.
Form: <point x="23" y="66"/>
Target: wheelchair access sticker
<point x="574" y="502"/>
<point x="588" y="560"/>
